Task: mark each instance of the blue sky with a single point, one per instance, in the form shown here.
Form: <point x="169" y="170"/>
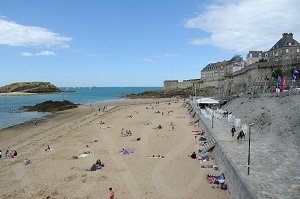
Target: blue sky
<point x="132" y="42"/>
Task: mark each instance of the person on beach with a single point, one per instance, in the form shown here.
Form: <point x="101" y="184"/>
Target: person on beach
<point x="26" y="162"/>
<point x="112" y="193"/>
<point x="241" y="135"/>
<point x="194" y="156"/>
<point x="159" y="127"/>
<point x="0" y="154"/>
<point x="35" y="123"/>
<point x="233" y="131"/>
<point x="15" y="153"/>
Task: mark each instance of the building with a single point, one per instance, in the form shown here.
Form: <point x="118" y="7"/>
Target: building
<point x="286" y="48"/>
<point x="236" y="63"/>
<point x="219" y="69"/>
<point x="213" y="70"/>
<point x="254" y="56"/>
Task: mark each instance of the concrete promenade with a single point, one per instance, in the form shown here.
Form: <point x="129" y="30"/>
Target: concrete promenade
<point x="274" y="166"/>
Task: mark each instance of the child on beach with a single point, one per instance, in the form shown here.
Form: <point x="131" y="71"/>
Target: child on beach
<point x="112" y="194"/>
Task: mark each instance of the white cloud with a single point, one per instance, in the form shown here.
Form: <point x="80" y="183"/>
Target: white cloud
<point x="243" y="25"/>
<point x="42" y="53"/>
<point x="200" y="42"/>
<point x="14" y="34"/>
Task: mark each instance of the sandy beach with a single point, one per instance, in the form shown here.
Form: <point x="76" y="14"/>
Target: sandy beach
<point x="55" y="174"/>
<point x="16" y="94"/>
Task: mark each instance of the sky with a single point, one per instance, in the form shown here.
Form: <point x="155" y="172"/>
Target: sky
<point x="133" y="42"/>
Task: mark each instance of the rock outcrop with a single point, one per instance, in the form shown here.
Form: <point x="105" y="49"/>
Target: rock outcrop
<point x="51" y="106"/>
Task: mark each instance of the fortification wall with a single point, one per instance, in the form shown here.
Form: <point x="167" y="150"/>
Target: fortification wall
<point x="170" y="84"/>
<point x="239" y="81"/>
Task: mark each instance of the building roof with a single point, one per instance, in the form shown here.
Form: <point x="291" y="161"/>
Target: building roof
<point x="236" y="58"/>
<point x="212" y="65"/>
<point x="287" y="40"/>
<point x="254" y="53"/>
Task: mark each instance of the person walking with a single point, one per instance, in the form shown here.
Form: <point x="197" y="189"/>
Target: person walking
<point x="233" y="131"/>
<point x="112" y="193"/>
<point x="241" y="135"/>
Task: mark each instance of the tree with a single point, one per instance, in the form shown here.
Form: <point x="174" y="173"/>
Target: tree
<point x="277" y="72"/>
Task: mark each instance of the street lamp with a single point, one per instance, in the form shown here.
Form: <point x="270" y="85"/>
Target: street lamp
<point x="249" y="148"/>
<point x="212" y="119"/>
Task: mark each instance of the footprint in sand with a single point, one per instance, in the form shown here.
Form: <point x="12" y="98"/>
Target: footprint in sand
<point x="102" y="178"/>
<point x="70" y="178"/>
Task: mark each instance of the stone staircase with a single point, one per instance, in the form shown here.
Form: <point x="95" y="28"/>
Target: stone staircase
<point x="209" y="145"/>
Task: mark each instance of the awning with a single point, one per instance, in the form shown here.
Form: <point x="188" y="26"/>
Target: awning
<point x="207" y="101"/>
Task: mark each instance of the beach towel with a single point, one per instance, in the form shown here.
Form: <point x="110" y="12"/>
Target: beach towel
<point x="83" y="155"/>
<point x="127" y="151"/>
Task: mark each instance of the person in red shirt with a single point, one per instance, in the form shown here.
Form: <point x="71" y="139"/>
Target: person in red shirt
<point x="112" y="194"/>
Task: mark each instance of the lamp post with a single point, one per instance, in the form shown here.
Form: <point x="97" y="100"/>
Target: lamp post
<point x="249" y="148"/>
<point x="212" y="119"/>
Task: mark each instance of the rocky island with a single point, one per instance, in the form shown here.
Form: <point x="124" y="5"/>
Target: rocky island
<point x="177" y="92"/>
<point x="20" y="88"/>
<point x="51" y="106"/>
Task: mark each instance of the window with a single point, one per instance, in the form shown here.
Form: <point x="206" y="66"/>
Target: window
<point x="298" y="50"/>
<point x="286" y="50"/>
<point x="290" y="44"/>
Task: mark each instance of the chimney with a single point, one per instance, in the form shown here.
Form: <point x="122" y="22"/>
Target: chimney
<point x="287" y="35"/>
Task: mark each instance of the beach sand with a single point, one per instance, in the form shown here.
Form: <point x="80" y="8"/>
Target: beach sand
<point x="55" y="174"/>
<point x="16" y="94"/>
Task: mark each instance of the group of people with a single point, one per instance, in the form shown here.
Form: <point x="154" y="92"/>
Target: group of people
<point x="103" y="109"/>
<point x="97" y="165"/>
<point x="241" y="134"/>
<point x="8" y="154"/>
<point x="126" y="133"/>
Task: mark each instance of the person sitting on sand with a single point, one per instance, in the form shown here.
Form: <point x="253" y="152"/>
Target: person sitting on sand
<point x="98" y="164"/>
<point x="26" y="162"/>
<point x="15" y="153"/>
<point x="194" y="156"/>
<point x="101" y="122"/>
<point x="129" y="133"/>
<point x="48" y="148"/>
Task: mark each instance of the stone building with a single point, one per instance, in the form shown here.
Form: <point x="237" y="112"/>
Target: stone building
<point x="213" y="70"/>
<point x="286" y="48"/>
<point x="220" y="69"/>
<point x="255" y="56"/>
<point x="236" y="63"/>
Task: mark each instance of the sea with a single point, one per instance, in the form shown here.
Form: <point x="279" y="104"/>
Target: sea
<point x="11" y="112"/>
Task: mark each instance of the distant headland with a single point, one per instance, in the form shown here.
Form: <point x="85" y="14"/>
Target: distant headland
<point x="28" y="88"/>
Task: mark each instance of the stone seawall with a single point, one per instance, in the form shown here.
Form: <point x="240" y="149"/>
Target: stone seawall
<point x="237" y="185"/>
